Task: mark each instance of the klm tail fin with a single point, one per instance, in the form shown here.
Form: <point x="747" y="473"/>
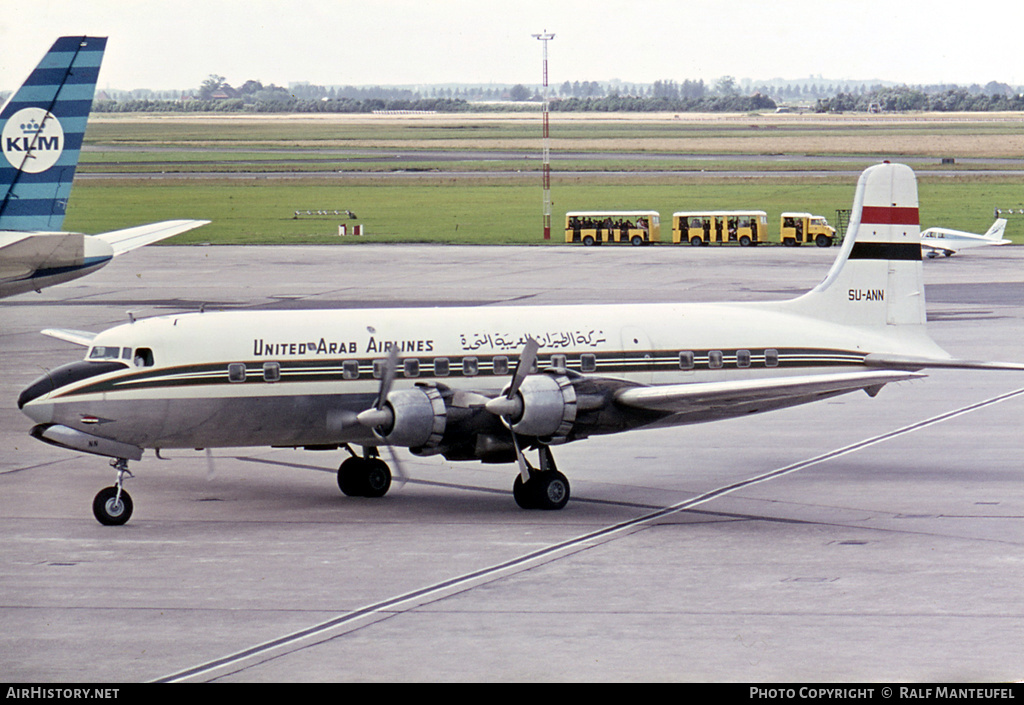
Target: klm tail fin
<point x="877" y="280"/>
<point x="41" y="132"/>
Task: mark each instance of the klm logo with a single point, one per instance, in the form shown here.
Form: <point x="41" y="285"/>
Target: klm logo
<point x="32" y="140"/>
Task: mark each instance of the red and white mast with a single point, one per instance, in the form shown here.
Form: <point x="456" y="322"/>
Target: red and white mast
<point x="546" y="167"/>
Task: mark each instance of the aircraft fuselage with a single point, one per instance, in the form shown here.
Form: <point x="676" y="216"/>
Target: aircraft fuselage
<point x="299" y="379"/>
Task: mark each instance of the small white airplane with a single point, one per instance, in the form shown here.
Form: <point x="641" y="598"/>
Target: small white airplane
<point x="943" y="241"/>
<point x="483" y="383"/>
<point x="41" y="132"/>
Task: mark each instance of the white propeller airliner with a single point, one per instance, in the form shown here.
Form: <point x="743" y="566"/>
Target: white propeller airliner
<point x="944" y="241"/>
<point x="484" y="383"/>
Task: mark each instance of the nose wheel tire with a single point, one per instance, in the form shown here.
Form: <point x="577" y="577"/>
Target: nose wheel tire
<point x="109" y="509"/>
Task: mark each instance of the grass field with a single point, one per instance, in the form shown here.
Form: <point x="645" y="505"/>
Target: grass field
<point x="499" y="206"/>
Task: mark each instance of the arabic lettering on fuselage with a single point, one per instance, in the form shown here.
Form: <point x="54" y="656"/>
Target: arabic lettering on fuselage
<point x="550" y="339"/>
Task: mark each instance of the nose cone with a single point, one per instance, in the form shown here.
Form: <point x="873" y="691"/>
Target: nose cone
<point x="35" y="402"/>
<point x="38" y="411"/>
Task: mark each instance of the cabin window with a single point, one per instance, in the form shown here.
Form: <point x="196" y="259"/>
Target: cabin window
<point x="378" y="368"/>
<point x="411" y="367"/>
<point x="143" y="357"/>
<point x="500" y="364"/>
<point x="686" y="360"/>
<point x="558" y="361"/>
<point x="588" y="362"/>
<point x="742" y="358"/>
<point x="350" y="369"/>
<point x="715" y="359"/>
<point x="441" y="367"/>
<point x="271" y="371"/>
<point x="470" y="366"/>
<point x="236" y="372"/>
<point x="771" y="358"/>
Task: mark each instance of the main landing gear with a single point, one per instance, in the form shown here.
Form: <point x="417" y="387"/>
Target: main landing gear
<point x="113" y="505"/>
<point x="364" y="476"/>
<point x="369" y="476"/>
<point x="545" y="488"/>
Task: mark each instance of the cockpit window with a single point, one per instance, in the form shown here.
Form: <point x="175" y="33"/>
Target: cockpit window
<point x="104" y="352"/>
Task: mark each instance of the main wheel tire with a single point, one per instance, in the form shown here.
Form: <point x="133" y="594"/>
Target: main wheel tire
<point x="109" y="510"/>
<point x="588" y="240"/>
<point x="551" y="490"/>
<point x="823" y="241"/>
<point x="522" y="493"/>
<point x="377" y="478"/>
<point x="350" y="477"/>
<point x="696" y="241"/>
<point x="544" y="490"/>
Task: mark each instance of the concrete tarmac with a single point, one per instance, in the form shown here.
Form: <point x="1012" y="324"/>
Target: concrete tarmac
<point x="860" y="540"/>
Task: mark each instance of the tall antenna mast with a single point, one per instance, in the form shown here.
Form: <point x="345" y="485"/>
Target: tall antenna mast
<point x="546" y="168"/>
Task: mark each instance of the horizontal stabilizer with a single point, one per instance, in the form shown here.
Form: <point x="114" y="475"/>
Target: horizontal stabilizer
<point x="131" y="238"/>
<point x="771" y="391"/>
<point x="78" y="337"/>
<point x="909" y="362"/>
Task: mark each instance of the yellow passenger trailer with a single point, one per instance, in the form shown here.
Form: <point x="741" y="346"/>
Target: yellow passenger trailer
<point x="597" y="227"/>
<point x="744" y="228"/>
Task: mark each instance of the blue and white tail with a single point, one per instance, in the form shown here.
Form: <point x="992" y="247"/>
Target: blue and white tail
<point x="41" y="131"/>
<point x="877" y="280"/>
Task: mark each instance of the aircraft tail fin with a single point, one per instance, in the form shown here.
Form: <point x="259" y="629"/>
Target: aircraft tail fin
<point x="877" y="280"/>
<point x="122" y="241"/>
<point x="41" y="132"/>
<point x="997" y="230"/>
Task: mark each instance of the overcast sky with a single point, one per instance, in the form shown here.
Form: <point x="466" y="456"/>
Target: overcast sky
<point x="164" y="44"/>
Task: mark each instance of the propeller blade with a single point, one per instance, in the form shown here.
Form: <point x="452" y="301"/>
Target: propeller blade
<point x="211" y="471"/>
<point x="524" y="467"/>
<point x="398" y="475"/>
<point x="525" y="365"/>
<point x="387" y="377"/>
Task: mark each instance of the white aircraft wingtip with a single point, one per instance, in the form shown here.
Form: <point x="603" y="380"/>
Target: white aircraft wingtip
<point x="78" y="337"/>
<point x="132" y="238"/>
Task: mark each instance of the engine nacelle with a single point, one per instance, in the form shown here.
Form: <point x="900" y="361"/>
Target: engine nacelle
<point x="548" y="407"/>
<point x="418" y="418"/>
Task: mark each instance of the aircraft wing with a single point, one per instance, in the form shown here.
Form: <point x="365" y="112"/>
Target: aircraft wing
<point x="934" y="250"/>
<point x="131" y="238"/>
<point x="78" y="337"/>
<point x="735" y="397"/>
<point x="908" y="362"/>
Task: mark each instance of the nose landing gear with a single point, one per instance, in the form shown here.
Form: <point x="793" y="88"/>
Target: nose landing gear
<point x="113" y="505"/>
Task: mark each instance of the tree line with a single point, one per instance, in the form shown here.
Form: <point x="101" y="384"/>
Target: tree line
<point x="903" y="98"/>
<point x="726" y="95"/>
